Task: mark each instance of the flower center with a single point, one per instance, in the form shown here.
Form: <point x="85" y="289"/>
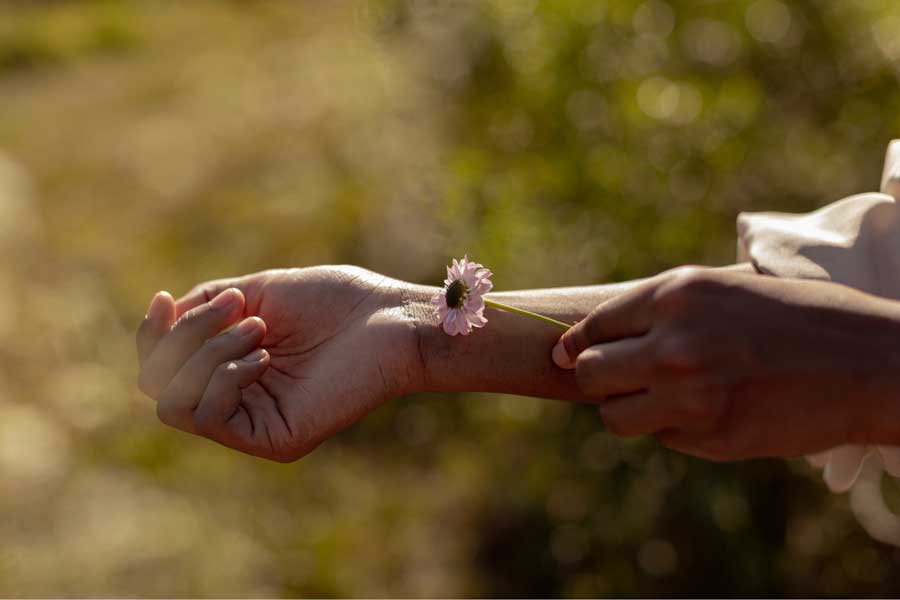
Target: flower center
<point x="456" y="293"/>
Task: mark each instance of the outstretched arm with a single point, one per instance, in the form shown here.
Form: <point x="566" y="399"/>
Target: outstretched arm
<point x="512" y="354"/>
<point x="319" y="348"/>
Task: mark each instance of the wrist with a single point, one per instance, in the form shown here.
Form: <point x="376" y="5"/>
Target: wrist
<point x="419" y="327"/>
<point x="511" y="354"/>
<point x="410" y="315"/>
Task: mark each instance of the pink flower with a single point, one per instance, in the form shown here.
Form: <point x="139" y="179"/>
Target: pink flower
<point x="460" y="305"/>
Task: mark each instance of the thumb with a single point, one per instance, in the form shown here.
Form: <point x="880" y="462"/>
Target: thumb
<point x="624" y="316"/>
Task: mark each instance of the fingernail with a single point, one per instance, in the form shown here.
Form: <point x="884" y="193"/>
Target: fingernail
<point x="227" y="298"/>
<point x="248" y="326"/>
<point x="561" y="356"/>
<point x="257" y="355"/>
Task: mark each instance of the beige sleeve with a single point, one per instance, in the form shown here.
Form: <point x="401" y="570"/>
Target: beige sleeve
<point x="855" y="241"/>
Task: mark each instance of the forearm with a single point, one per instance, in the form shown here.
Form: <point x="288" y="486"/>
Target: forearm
<point x="512" y="354"/>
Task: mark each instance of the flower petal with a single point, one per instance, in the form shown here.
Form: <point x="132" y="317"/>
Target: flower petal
<point x="474" y="304"/>
<point x="449" y="322"/>
<point x="476" y="319"/>
<point x="462" y="323"/>
<point x="456" y="269"/>
<point x="483" y="286"/>
<point x="468" y="276"/>
<point x="461" y="320"/>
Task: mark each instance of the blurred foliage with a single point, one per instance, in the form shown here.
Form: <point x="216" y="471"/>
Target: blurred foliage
<point x="148" y="145"/>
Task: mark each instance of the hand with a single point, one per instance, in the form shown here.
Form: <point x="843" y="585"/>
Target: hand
<point x="314" y="350"/>
<point x="726" y="366"/>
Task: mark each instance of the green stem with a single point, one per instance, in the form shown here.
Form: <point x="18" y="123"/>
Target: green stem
<point x="526" y="313"/>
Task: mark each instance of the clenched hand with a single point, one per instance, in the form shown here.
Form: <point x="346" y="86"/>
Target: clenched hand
<point x="274" y="363"/>
<point x="725" y="365"/>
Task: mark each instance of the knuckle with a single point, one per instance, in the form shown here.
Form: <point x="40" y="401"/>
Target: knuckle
<point x="704" y="402"/>
<point x="689" y="274"/>
<point x="679" y="350"/>
<point x="683" y="286"/>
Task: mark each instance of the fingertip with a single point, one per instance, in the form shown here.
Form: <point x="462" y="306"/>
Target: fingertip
<point x="250" y="327"/>
<point x="258" y="322"/>
<point x="166" y="305"/>
<point x="157" y="305"/>
<point x="160" y="314"/>
<point x="254" y="358"/>
<point x="260" y="355"/>
<point x="561" y="355"/>
<point x="248" y="369"/>
<point x="228" y="298"/>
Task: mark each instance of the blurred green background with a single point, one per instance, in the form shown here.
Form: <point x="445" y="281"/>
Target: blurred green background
<point x="152" y="145"/>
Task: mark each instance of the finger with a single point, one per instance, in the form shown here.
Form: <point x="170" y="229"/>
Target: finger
<point x="624" y="316"/>
<point x="220" y="416"/>
<point x="713" y="446"/>
<point x="680" y="441"/>
<point x="176" y="403"/>
<point x="189" y="333"/>
<point x="638" y="414"/>
<point x="205" y="292"/>
<point x="157" y="322"/>
<point x="614" y="368"/>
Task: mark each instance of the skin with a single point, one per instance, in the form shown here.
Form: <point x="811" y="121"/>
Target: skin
<point x="719" y="363"/>
<point x="727" y="365"/>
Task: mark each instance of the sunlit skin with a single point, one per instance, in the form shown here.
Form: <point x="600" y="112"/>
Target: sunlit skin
<point x="726" y="365"/>
<point x="718" y="363"/>
<point x="336" y="343"/>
